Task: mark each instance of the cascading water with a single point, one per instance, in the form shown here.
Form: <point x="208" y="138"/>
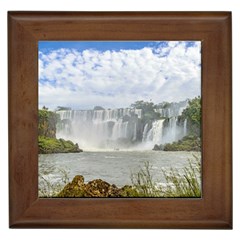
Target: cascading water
<point x="156" y="132"/>
<point x="168" y="129"/>
<point x="100" y="128"/>
<point x="145" y="132"/>
<point x="185" y="127"/>
<point x="121" y="128"/>
<point x="172" y="109"/>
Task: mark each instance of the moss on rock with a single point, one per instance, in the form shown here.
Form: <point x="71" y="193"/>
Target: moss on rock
<point x="74" y="188"/>
<point x="188" y="143"/>
<point x="47" y="121"/>
<point x="95" y="188"/>
<point x="47" y="141"/>
<point x="53" y="145"/>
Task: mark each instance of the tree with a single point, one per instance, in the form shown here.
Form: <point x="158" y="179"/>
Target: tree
<point x="60" y="108"/>
<point x="193" y="114"/>
<point x="148" y="110"/>
<point x="98" y="108"/>
<point x="47" y="121"/>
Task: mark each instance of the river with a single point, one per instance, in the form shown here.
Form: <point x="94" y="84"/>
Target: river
<point x="114" y="167"/>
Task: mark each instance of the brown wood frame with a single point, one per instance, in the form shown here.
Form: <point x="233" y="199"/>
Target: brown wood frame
<point x="213" y="210"/>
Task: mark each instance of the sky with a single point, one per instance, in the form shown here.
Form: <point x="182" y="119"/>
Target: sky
<point x="115" y="74"/>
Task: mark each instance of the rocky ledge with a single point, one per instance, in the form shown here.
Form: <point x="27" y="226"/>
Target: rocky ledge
<point x="53" y="145"/>
<point x="188" y="143"/>
<point x="95" y="188"/>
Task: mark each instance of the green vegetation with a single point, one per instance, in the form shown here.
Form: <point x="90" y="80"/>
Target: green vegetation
<point x="164" y="105"/>
<point x="47" y="121"/>
<point x="179" y="183"/>
<point x="73" y="189"/>
<point x="187" y="184"/>
<point x="187" y="143"/>
<point x="98" y="108"/>
<point x="193" y="115"/>
<point x="148" y="111"/>
<point x="61" y="108"/>
<point x="47" y="142"/>
<point x="53" y="145"/>
<point x="48" y="189"/>
<point x="143" y="183"/>
<point x="94" y="188"/>
<point x="191" y="142"/>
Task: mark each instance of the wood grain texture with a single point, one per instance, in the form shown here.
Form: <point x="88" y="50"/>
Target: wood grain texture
<point x="213" y="210"/>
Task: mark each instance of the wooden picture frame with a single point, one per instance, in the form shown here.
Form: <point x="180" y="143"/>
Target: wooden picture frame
<point x="213" y="210"/>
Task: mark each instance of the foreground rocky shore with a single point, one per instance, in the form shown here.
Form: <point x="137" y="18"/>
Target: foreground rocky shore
<point x="95" y="188"/>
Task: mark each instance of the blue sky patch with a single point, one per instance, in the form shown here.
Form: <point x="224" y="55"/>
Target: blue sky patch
<point x="114" y="74"/>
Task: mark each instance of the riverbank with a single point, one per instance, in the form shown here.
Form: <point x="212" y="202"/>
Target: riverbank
<point x="142" y="184"/>
<point x="47" y="145"/>
<point x="47" y="141"/>
<point x="114" y="167"/>
<point x="188" y="143"/>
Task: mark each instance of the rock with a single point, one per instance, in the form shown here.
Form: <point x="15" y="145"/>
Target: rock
<point x="100" y="188"/>
<point x="98" y="108"/>
<point x="156" y="148"/>
<point x="47" y="121"/>
<point x="53" y="145"/>
<point x="95" y="188"/>
<point x="77" y="148"/>
<point x="73" y="189"/>
<point x="78" y="180"/>
<point x="128" y="191"/>
<point x="187" y="143"/>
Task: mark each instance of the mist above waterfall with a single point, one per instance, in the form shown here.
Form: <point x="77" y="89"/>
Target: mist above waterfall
<point x="122" y="128"/>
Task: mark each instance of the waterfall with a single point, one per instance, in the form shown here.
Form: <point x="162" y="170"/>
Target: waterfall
<point x="100" y="128"/>
<point x="164" y="131"/>
<point x="173" y="128"/>
<point x="154" y="135"/>
<point x="185" y="127"/>
<point x="145" y="131"/>
<point x="120" y="130"/>
<point x="135" y="132"/>
<point x="122" y="127"/>
<point x="172" y="109"/>
<point x="157" y="131"/>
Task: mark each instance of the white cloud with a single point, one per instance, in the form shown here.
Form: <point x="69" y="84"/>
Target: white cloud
<point x="118" y="78"/>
